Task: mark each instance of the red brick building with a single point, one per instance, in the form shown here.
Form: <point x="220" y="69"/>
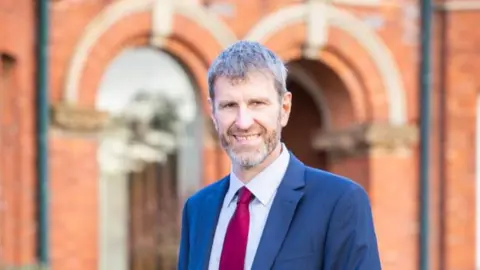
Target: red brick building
<point x="354" y="73"/>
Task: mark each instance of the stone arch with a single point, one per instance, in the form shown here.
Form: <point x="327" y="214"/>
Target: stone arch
<point x="95" y="41"/>
<point x="131" y="25"/>
<point x="117" y="11"/>
<point x="366" y="38"/>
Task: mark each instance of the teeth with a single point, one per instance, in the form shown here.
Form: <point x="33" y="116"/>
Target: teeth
<point x="246" y="138"/>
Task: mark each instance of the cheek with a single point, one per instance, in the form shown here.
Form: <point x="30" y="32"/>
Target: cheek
<point x="222" y="124"/>
<point x="269" y="122"/>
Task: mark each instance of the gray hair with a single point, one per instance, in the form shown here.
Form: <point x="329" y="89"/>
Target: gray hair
<point x="244" y="57"/>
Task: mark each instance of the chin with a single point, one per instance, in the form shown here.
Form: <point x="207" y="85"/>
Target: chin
<point x="248" y="161"/>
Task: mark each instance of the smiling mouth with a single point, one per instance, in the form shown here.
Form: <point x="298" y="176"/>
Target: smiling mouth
<point x="245" y="138"/>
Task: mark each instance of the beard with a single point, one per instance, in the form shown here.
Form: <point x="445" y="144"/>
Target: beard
<point x="250" y="156"/>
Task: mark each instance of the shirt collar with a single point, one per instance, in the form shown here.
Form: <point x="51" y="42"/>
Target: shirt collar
<point x="264" y="185"/>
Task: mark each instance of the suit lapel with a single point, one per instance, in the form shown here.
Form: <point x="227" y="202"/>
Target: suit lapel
<point x="281" y="214"/>
<point x="210" y="211"/>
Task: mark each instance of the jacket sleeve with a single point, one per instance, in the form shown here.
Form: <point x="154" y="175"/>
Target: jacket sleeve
<point x="184" y="251"/>
<point x="351" y="242"/>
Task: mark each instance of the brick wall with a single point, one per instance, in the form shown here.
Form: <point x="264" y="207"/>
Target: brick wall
<point x="359" y="90"/>
<point x="17" y="171"/>
<point x="456" y="62"/>
<point x="354" y="91"/>
<point x="74" y="202"/>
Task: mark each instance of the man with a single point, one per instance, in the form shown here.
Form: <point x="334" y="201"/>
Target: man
<point x="271" y="211"/>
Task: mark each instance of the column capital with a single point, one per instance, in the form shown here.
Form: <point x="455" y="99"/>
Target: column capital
<point x="367" y="138"/>
<point x="73" y="118"/>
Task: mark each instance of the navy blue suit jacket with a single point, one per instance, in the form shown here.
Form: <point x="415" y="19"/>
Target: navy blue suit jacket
<point x="318" y="220"/>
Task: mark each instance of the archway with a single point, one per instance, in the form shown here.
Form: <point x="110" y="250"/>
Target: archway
<point x="139" y="204"/>
<point x="304" y="121"/>
<point x="320" y="101"/>
<point x="307" y="24"/>
<point x="158" y="23"/>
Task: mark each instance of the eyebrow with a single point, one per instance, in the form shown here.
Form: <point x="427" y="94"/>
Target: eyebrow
<point x="222" y="103"/>
<point x="255" y="99"/>
<point x="262" y="99"/>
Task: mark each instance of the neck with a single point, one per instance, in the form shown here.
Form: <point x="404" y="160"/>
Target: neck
<point x="247" y="174"/>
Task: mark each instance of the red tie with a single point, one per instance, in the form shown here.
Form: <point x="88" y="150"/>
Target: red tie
<point x="235" y="243"/>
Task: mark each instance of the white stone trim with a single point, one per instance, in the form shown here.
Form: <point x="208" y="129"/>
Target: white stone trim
<point x="95" y="29"/>
<point x="208" y="20"/>
<point x="316" y="28"/>
<point x="382" y="58"/>
<point x="113" y="222"/>
<point x="123" y="8"/>
<point x="458" y="5"/>
<point x="269" y="25"/>
<point x="365" y="36"/>
<point x="162" y="21"/>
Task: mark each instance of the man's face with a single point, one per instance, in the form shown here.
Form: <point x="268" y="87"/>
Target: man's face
<point x="249" y="116"/>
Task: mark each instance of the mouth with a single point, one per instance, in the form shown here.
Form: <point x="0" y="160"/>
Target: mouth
<point x="246" y="138"/>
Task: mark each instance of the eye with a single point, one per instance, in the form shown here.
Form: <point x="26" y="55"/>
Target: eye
<point x="228" y="105"/>
<point x="257" y="103"/>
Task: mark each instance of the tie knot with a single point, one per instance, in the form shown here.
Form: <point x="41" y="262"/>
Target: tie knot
<point x="245" y="196"/>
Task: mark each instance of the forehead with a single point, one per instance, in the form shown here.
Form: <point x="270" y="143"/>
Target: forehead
<point x="255" y="84"/>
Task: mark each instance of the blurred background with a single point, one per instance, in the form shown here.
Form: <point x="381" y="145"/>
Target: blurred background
<point x="105" y="128"/>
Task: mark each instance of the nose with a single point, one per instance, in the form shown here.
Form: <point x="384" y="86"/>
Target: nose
<point x="244" y="119"/>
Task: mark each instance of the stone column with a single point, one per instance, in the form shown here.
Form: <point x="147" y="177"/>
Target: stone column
<point x="383" y="159"/>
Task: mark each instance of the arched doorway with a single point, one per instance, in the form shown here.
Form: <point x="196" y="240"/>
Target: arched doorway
<point x="139" y="205"/>
<point x="320" y="101"/>
<point x="303" y="124"/>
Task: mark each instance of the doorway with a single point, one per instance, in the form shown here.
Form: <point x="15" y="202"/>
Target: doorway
<point x="139" y="215"/>
<point x="306" y="119"/>
<point x="154" y="213"/>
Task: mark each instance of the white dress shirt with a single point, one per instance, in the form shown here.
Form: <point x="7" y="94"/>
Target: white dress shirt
<point x="264" y="187"/>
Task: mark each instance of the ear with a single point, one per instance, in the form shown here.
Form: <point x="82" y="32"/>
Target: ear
<point x="210" y="103"/>
<point x="212" y="113"/>
<point x="286" y="108"/>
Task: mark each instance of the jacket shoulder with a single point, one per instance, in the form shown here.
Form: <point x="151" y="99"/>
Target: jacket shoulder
<point x="203" y="192"/>
<point x="330" y="183"/>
